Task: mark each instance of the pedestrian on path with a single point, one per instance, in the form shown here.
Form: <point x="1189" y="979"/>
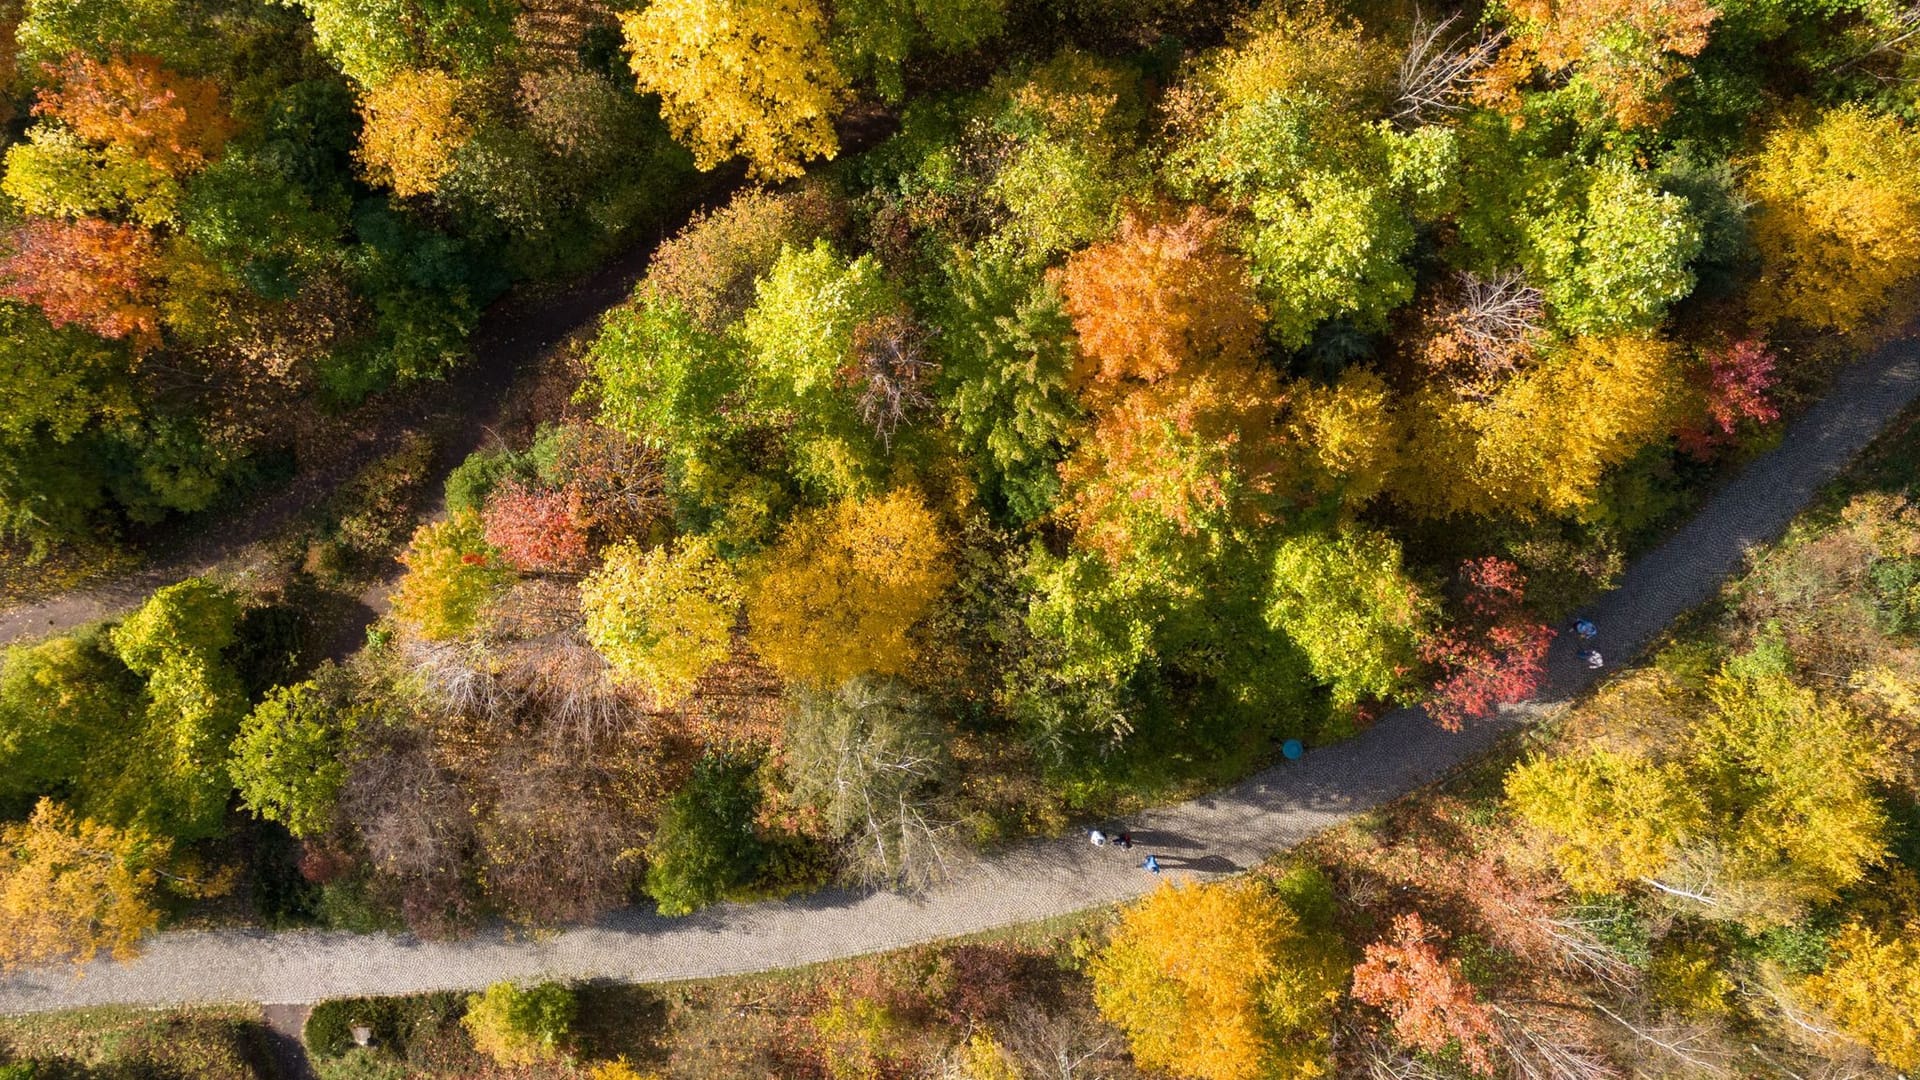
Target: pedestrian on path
<point x="1594" y="660"/>
<point x="1125" y="841"/>
<point x="1151" y="866"/>
<point x="1586" y="629"/>
<point x="1099" y="838"/>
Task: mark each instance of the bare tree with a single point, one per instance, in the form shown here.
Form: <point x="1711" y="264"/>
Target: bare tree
<point x="1068" y="1043"/>
<point x="1439" y="73"/>
<point x="413" y="820"/>
<point x="1498" y="316"/>
<point x="1540" y="1047"/>
<point x="891" y="369"/>
<point x="558" y="844"/>
<point x="870" y="758"/>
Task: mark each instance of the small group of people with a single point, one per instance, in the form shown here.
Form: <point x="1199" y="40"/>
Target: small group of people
<point x="1124" y="841"/>
<point x="1588" y="632"/>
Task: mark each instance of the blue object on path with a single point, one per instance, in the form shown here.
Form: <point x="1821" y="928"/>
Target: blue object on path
<point x="1585" y="629"/>
<point x="1291" y="749"/>
<point x="1152" y="864"/>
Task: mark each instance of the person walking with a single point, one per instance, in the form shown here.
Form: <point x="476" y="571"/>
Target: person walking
<point x="1124" y="841"/>
<point x="1151" y="866"/>
<point x="1099" y="838"/>
<point x="1586" y="629"/>
<point x="1594" y="660"/>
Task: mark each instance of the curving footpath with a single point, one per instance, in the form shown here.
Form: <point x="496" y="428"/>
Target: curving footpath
<point x="1221" y="833"/>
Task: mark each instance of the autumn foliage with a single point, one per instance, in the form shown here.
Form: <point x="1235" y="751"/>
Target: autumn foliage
<point x="533" y="529"/>
<point x="1432" y="1005"/>
<point x="1495" y="656"/>
<point x="413" y="126"/>
<point x="1627" y="52"/>
<point x="70" y="888"/>
<point x="1734" y="381"/>
<point x="89" y="273"/>
<point x="1161" y="297"/>
<point x="173" y="123"/>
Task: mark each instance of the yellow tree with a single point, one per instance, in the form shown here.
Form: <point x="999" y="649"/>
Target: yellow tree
<point x="661" y="617"/>
<point x="70" y="887"/>
<point x="1542" y="441"/>
<point x="451" y="574"/>
<point x="836" y="596"/>
<point x="1220" y="982"/>
<point x="747" y="78"/>
<point x="1871" y="990"/>
<point x="1627" y="52"/>
<point x="1348" y="433"/>
<point x="1613" y="819"/>
<point x="413" y="125"/>
<point x="1838" y="224"/>
<point x="1162" y="296"/>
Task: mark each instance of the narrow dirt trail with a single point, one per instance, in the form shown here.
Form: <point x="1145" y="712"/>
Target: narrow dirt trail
<point x="1220" y="833"/>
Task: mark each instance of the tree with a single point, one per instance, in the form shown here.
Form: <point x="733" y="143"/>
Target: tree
<point x="837" y="594"/>
<point x="805" y="330"/>
<point x="1066" y="139"/>
<point x="1433" y="1006"/>
<point x="1006" y="354"/>
<point x="1614" y="819"/>
<point x="1495" y="656"/>
<point x="1626" y="53"/>
<point x="1871" y="990"/>
<point x="1612" y="260"/>
<point x="868" y="757"/>
<point x="288" y="759"/>
<point x="1161" y="297"/>
<point x="176" y="782"/>
<point x="173" y="123"/>
<point x="746" y="78"/>
<point x="663" y="616"/>
<point x="70" y="887"/>
<point x="520" y="1027"/>
<point x="665" y="380"/>
<point x="1836" y="228"/>
<point x="413" y="126"/>
<point x="1221" y="981"/>
<point x="710" y="267"/>
<point x="451" y="574"/>
<point x="533" y="529"/>
<point x="373" y="41"/>
<point x="1545" y="439"/>
<point x="1181" y="460"/>
<point x="1329" y="246"/>
<point x="89" y="273"/>
<point x="1345" y="600"/>
<point x="704" y="848"/>
<point x="62" y="703"/>
<point x="1349" y="434"/>
<point x="1732" y="383"/>
<point x="875" y="38"/>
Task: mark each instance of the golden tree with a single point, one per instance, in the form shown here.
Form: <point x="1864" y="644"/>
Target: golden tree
<point x="1628" y="52"/>
<point x="1349" y="433"/>
<point x="746" y="78"/>
<point x="1220" y="982"/>
<point x="661" y="617"/>
<point x="836" y="596"/>
<point x="1613" y="819"/>
<point x="1838" y="225"/>
<point x="70" y="887"/>
<point x="1162" y="296"/>
<point x="451" y="574"/>
<point x="1872" y="991"/>
<point x="413" y="125"/>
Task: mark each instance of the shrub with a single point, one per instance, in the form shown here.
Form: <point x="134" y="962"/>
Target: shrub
<point x="704" y="847"/>
<point x="520" y="1027"/>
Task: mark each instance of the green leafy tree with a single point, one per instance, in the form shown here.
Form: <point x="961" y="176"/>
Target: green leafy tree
<point x="663" y="378"/>
<point x="521" y="1027"/>
<point x="1006" y="351"/>
<point x="63" y="705"/>
<point x="1346" y="601"/>
<point x="177" y="781"/>
<point x="875" y="38"/>
<point x="1613" y="259"/>
<point x="289" y="758"/>
<point x="662" y="617"/>
<point x="704" y="848"/>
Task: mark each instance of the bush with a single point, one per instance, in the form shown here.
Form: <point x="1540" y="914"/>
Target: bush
<point x="519" y="1027"/>
<point x="704" y="848"/>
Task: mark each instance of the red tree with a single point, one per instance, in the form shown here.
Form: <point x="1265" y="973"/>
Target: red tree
<point x="1431" y="1003"/>
<point x="1493" y="657"/>
<point x="88" y="272"/>
<point x="534" y="530"/>
<point x="1733" y="386"/>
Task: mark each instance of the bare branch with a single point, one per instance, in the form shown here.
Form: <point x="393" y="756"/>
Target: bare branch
<point x="891" y="369"/>
<point x="1439" y="74"/>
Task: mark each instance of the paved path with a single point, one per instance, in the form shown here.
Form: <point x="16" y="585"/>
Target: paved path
<point x="1217" y="834"/>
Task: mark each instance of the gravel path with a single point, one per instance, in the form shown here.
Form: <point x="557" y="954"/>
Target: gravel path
<point x="1221" y="833"/>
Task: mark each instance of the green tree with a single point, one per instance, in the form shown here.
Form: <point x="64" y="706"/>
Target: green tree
<point x="177" y="782"/>
<point x="662" y="617"/>
<point x="1346" y="601"/>
<point x="704" y="848"/>
<point x="1614" y="258"/>
<point x="521" y="1027"/>
<point x="875" y="38"/>
<point x="63" y="705"/>
<point x="662" y="378"/>
<point x="289" y="758"/>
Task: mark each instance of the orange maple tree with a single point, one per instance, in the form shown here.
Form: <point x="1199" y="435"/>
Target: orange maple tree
<point x="173" y="122"/>
<point x="1629" y="52"/>
<point x="1432" y="1004"/>
<point x="87" y="272"/>
<point x="1161" y="296"/>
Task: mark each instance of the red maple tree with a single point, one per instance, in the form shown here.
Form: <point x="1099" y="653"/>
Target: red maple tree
<point x="533" y="529"/>
<point x="1423" y="990"/>
<point x="1493" y="657"/>
<point x="86" y="272"/>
